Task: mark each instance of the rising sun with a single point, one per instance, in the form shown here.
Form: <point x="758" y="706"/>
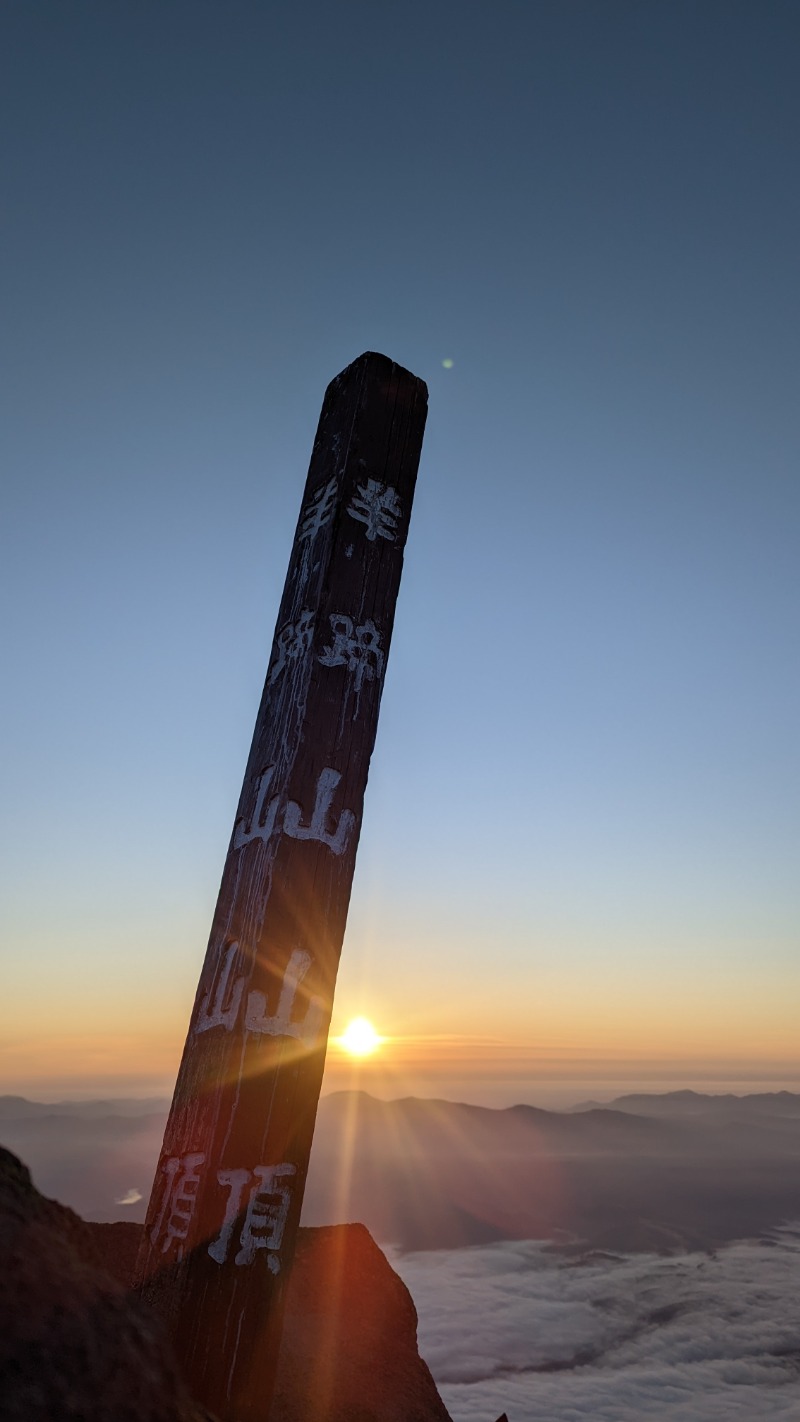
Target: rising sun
<point x="359" y="1038"/>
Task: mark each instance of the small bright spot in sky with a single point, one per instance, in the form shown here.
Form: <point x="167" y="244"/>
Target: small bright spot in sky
<point x="131" y="1197"/>
<point x="448" y="364"/>
<point x="359" y="1038"/>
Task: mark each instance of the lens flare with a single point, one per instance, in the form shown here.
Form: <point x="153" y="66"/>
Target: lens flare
<point x="359" y="1038"/>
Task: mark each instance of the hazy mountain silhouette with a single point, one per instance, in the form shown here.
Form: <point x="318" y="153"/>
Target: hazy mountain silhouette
<point x="426" y="1174"/>
<point x="695" y="1103"/>
<point x="88" y="1154"/>
<point x="676" y="1171"/>
<point x="17" y="1108"/>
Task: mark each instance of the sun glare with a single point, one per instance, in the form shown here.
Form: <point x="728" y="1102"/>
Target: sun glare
<point x="359" y="1038"/>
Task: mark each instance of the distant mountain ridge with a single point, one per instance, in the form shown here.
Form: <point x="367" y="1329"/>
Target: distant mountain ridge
<point x="18" y="1108"/>
<point x="642" y="1102"/>
<point x="774" y="1103"/>
<point x="436" y="1174"/>
<point x="643" y="1172"/>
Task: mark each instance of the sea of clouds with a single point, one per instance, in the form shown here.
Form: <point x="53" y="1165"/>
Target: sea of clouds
<point x="545" y="1337"/>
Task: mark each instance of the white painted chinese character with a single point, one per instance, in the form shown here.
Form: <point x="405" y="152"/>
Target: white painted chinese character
<point x="316" y="828"/>
<point x="318" y="510"/>
<point x="180" y="1199"/>
<point x="264" y="819"/>
<point x="220" y="1005"/>
<point x="292" y="642"/>
<point x="261" y="823"/>
<point x="359" y="649"/>
<point x="378" y="506"/>
<point x="264" y="1215"/>
<point x="281" y="1025"/>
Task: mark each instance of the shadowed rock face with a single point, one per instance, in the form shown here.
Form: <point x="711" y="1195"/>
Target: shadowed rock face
<point x="349" y="1349"/>
<point x="75" y="1345"/>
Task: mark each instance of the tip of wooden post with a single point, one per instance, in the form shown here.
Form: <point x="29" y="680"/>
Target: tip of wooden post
<point x="373" y="363"/>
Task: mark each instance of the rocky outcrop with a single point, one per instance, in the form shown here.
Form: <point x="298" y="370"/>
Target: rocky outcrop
<point x="350" y="1337"/>
<point x="74" y="1344"/>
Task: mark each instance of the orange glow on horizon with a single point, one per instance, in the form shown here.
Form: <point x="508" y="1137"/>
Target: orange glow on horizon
<point x="126" y="1061"/>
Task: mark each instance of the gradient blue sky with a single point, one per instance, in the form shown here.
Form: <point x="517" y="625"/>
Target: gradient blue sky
<point x="580" y="846"/>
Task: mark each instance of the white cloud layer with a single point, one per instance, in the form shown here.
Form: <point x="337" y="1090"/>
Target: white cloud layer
<point x="514" y="1327"/>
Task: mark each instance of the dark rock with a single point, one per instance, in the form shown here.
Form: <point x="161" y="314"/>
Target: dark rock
<point x="75" y="1345"/>
<point x="349" y="1349"/>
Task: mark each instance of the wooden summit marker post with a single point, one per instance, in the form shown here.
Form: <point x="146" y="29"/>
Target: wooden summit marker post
<point x="225" y="1207"/>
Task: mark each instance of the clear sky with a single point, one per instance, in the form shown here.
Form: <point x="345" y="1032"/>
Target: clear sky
<point x="579" y="857"/>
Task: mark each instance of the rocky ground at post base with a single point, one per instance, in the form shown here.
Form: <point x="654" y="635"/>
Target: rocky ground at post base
<point x="76" y="1347"/>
